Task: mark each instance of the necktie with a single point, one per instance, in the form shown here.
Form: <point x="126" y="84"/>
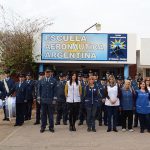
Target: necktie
<point x="47" y="79"/>
<point x="20" y="84"/>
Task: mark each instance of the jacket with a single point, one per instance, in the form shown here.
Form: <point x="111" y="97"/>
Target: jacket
<point x="83" y="85"/>
<point x="92" y="96"/>
<point x="21" y="92"/>
<point x="127" y="99"/>
<point x="11" y="85"/>
<point x="30" y="90"/>
<point x="2" y="90"/>
<point x="142" y="102"/>
<point x="46" y="90"/>
<point x="60" y="91"/>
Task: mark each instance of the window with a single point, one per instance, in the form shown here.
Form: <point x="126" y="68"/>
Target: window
<point x="147" y="72"/>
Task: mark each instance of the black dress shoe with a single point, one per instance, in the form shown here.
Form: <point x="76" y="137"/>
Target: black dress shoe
<point x="108" y="130"/>
<point x="73" y="128"/>
<point x="42" y="130"/>
<point x="142" y="131"/>
<point x="70" y="128"/>
<point x="88" y="129"/>
<point x="6" y="119"/>
<point x="80" y="123"/>
<point x="100" y="123"/>
<point x="57" y="123"/>
<point x="21" y="124"/>
<point x="105" y="124"/>
<point x="16" y="125"/>
<point x="148" y="130"/>
<point x="115" y="130"/>
<point x="65" y="123"/>
<point x="51" y="130"/>
<point x="36" y="123"/>
<point x="94" y="130"/>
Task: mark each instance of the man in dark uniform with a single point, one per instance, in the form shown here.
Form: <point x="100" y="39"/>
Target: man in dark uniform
<point x="30" y="96"/>
<point x="9" y="84"/>
<point x="21" y="90"/>
<point x="90" y="73"/>
<point x="38" y="105"/>
<point x="99" y="109"/>
<point x="80" y="76"/>
<point x="61" y="104"/>
<point x="120" y="85"/>
<point x="82" y="111"/>
<point x="46" y="90"/>
<point x="103" y="113"/>
<point x="2" y="91"/>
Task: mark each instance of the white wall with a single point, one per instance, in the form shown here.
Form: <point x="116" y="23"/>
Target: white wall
<point x="131" y="54"/>
<point x="145" y="52"/>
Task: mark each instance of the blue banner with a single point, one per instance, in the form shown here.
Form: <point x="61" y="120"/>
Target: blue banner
<point x="83" y="47"/>
<point x="117" y="47"/>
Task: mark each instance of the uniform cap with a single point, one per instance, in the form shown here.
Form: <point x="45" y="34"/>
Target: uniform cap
<point x="21" y="75"/>
<point x="41" y="73"/>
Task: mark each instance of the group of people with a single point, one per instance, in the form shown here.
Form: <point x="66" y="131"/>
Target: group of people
<point x="23" y="90"/>
<point x="80" y="96"/>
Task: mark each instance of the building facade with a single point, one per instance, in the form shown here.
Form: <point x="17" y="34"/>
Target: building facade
<point x="101" y="52"/>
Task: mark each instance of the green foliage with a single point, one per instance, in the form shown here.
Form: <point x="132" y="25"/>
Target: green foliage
<point x="17" y="42"/>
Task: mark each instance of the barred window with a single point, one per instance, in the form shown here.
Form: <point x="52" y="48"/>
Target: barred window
<point x="147" y="72"/>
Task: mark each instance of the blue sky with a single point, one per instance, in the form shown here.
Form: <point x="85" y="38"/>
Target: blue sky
<point x="116" y="16"/>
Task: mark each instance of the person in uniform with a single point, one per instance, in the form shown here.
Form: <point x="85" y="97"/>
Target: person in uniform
<point x="2" y="91"/>
<point x="120" y="82"/>
<point x="61" y="105"/>
<point x="80" y="76"/>
<point x="21" y="98"/>
<point x="38" y="105"/>
<point x="9" y="84"/>
<point x="30" y="96"/>
<point x="90" y="73"/>
<point x="100" y="88"/>
<point x="46" y="93"/>
<point x="92" y="96"/>
<point x="103" y="113"/>
<point x="82" y="111"/>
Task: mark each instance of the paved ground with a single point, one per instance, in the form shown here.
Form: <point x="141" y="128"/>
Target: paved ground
<point x="28" y="137"/>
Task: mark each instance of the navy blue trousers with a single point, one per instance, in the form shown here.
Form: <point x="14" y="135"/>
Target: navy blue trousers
<point x="112" y="113"/>
<point x="47" y="110"/>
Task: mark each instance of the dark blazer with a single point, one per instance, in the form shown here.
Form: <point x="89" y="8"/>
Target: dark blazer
<point x="11" y="85"/>
<point x="2" y="90"/>
<point x="60" y="91"/>
<point x="30" y="90"/>
<point x="92" y="96"/>
<point x="46" y="90"/>
<point x="21" y="92"/>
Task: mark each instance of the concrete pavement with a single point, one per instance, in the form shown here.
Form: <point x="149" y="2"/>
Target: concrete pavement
<point x="28" y="137"/>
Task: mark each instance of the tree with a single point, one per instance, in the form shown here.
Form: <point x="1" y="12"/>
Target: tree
<point x="17" y="41"/>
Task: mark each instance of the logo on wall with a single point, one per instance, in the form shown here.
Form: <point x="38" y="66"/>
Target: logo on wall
<point x="117" y="47"/>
